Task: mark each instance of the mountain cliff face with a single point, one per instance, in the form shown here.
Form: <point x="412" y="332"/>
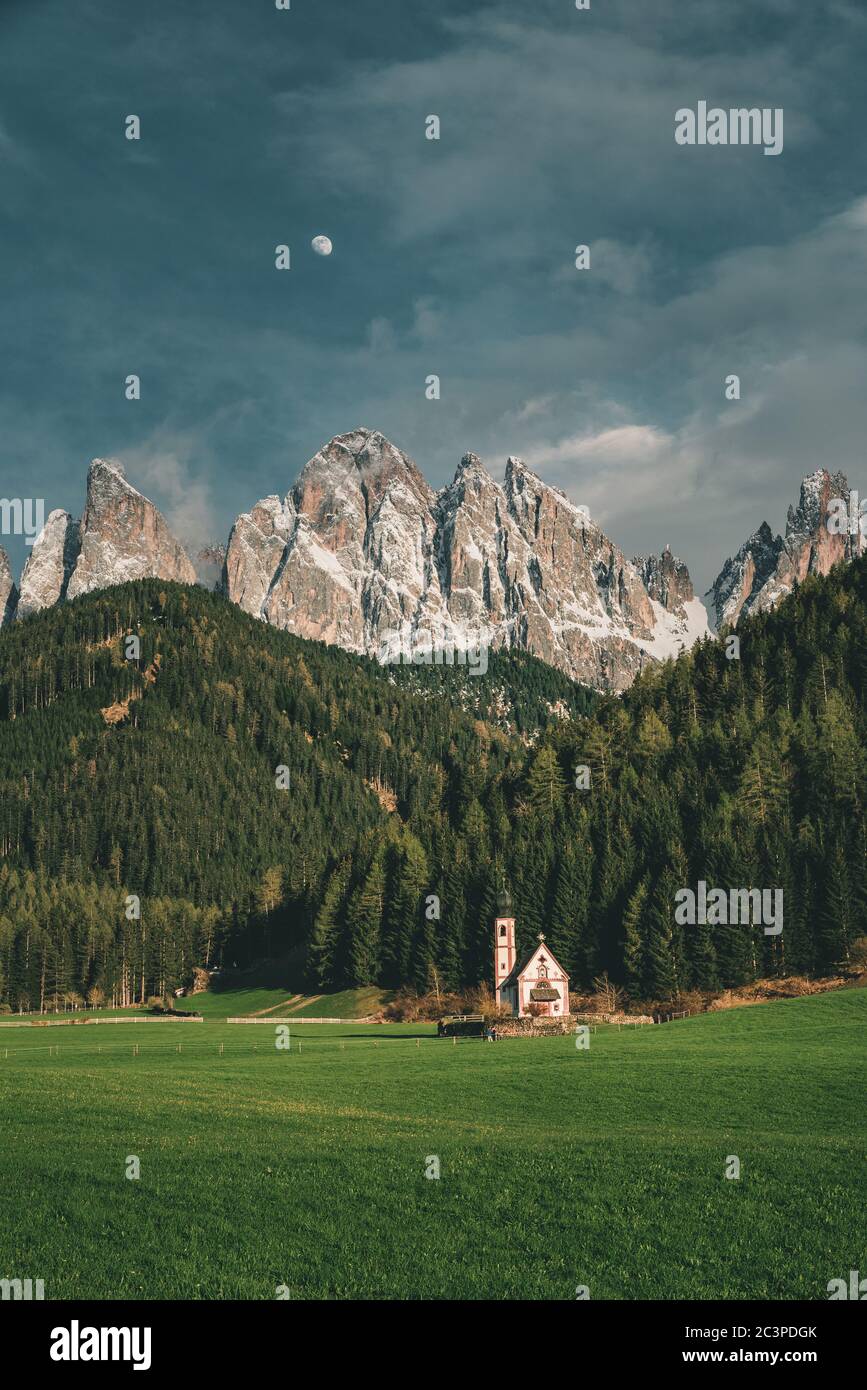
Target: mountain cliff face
<point x="123" y="536"/>
<point x="50" y="563"/>
<point x="666" y="579"/>
<point x="362" y="552"/>
<point x="8" y="591"/>
<point x="767" y="567"/>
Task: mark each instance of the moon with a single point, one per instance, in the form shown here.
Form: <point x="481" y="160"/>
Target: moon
<point x="322" y="245"/>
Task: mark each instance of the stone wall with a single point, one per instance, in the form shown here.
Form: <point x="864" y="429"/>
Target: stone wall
<point x="613" y="1018"/>
<point x="532" y="1027"/>
<point x="546" y="1027"/>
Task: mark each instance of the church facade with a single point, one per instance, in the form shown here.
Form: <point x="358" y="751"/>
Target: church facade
<point x="536" y="984"/>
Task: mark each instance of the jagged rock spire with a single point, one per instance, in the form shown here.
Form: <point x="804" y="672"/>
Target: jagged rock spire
<point x="767" y="567"/>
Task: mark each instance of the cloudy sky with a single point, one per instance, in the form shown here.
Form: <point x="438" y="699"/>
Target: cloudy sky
<point x="455" y="257"/>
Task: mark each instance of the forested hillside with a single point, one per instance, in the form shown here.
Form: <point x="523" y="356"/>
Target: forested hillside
<point x="158" y="778"/>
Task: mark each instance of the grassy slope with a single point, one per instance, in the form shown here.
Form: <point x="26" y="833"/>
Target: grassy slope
<point x="216" y="1005"/>
<point x="558" y="1167"/>
<point x="349" y="1003"/>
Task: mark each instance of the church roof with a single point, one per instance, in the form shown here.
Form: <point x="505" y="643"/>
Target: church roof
<point x="518" y="969"/>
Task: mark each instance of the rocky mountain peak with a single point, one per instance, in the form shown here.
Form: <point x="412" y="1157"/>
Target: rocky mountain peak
<point x="519" y="477"/>
<point x="817" y="489"/>
<point x="471" y="474"/>
<point x="767" y="567"/>
<point x="374" y="558"/>
<point x="364" y="554"/>
<point x="106" y="485"/>
<point x="123" y="536"/>
<point x="50" y="564"/>
<point x="353" y="471"/>
<point x="8" y="591"/>
<point x="666" y="579"/>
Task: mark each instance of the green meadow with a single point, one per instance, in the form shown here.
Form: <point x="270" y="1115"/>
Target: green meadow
<point x="558" y="1167"/>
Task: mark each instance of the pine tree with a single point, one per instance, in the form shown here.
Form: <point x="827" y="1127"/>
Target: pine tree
<point x="634" y="934"/>
<point x="408" y="940"/>
<point x="364" y="925"/>
<point x="570" y="913"/>
<point x="546" y="783"/>
<point x="664" y="975"/>
<point x="837" y="929"/>
<point x="322" y="950"/>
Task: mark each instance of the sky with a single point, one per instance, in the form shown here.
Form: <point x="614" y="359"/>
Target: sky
<point x="262" y="127"/>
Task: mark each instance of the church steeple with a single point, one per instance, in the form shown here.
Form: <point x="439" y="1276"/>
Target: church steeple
<point x="504" y="941"/>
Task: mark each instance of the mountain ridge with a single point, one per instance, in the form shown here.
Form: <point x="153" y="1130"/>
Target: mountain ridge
<point x="363" y="553"/>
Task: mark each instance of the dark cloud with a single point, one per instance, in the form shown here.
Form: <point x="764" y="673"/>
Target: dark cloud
<point x="453" y="257"/>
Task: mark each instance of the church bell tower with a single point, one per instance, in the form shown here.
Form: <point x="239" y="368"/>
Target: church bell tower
<point x="504" y="942"/>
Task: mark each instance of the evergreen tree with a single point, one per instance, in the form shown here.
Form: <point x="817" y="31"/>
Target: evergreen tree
<point x="322" y="950"/>
<point x="635" y="926"/>
<point x="364" y="925"/>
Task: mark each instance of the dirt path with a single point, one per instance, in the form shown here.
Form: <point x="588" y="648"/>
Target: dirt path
<point x="295" y="1001"/>
<point x="292" y="1001"/>
<point x="302" y="1000"/>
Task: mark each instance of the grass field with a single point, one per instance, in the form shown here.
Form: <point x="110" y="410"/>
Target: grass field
<point x="306" y="1168"/>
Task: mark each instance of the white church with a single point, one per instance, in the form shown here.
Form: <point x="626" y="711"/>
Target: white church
<point x="538" y="979"/>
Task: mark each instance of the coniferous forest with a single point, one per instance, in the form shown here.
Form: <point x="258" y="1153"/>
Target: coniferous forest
<point x="231" y="793"/>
